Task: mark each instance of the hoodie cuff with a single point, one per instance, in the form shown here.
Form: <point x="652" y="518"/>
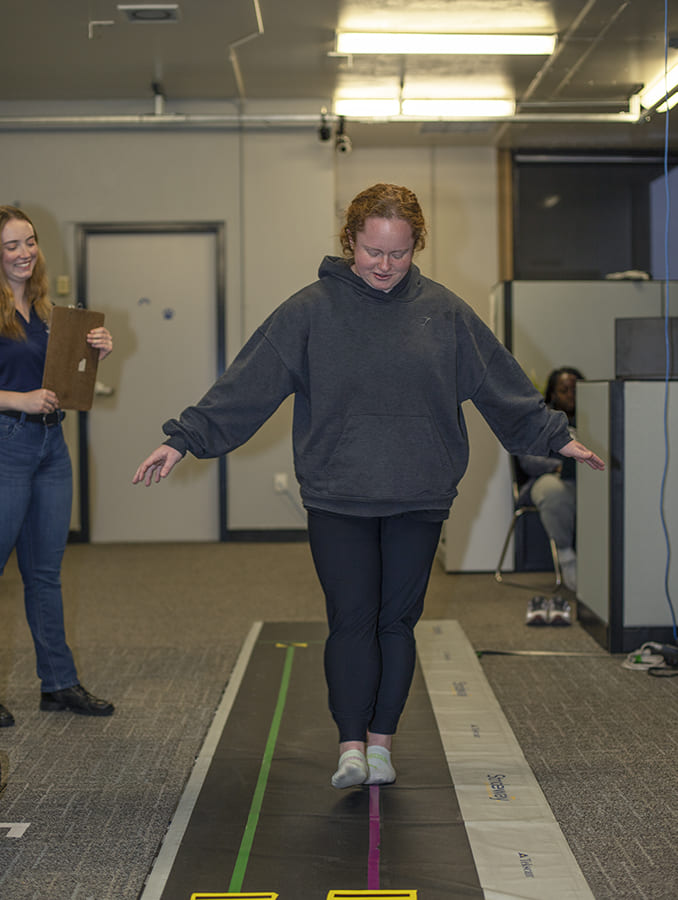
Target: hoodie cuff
<point x="176" y="443"/>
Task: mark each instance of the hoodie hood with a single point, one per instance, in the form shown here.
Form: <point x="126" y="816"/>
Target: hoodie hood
<point x="408" y="289"/>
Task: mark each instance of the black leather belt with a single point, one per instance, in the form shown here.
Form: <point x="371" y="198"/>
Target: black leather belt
<point x="48" y="419"/>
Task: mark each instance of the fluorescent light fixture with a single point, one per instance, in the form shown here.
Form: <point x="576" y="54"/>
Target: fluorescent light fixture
<point x="658" y="89"/>
<point x="670" y="103"/>
<point x="458" y="109"/>
<point x="387" y="108"/>
<point x="481" y="87"/>
<point x="353" y="43"/>
<point x="364" y="107"/>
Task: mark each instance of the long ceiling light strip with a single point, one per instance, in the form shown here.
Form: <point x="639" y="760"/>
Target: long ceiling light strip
<point x="367" y="107"/>
<point x="658" y="89"/>
<point x="463" y="109"/>
<point x="356" y="43"/>
<point x="442" y="108"/>
<point x="670" y="103"/>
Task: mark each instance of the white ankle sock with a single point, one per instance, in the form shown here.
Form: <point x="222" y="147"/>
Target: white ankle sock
<point x="381" y="769"/>
<point x="352" y="769"/>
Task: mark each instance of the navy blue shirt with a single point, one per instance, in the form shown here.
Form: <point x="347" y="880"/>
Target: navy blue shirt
<point x="22" y="362"/>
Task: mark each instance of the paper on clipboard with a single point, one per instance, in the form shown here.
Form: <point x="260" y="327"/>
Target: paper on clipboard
<point x="71" y="364"/>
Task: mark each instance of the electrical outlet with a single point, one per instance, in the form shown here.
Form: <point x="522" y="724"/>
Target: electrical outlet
<point x="63" y="285"/>
<point x="280" y="482"/>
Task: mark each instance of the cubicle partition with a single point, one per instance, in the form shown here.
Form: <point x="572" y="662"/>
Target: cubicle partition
<point x="546" y="324"/>
<point x="620" y="552"/>
<point x="625" y="586"/>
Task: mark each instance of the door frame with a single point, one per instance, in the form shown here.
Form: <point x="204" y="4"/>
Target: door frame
<point x="83" y="231"/>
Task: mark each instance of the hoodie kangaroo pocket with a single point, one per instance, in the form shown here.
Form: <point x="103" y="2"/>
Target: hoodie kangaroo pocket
<point x="389" y="458"/>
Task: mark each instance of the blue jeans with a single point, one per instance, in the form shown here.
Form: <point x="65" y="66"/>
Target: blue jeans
<point x="35" y="514"/>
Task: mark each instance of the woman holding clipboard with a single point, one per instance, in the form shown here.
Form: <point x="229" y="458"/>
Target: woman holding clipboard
<point x="35" y="467"/>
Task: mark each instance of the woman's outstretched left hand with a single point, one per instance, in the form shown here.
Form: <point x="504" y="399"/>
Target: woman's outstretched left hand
<point x="580" y="453"/>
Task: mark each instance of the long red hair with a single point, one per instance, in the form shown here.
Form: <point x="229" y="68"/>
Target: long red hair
<point x="37" y="290"/>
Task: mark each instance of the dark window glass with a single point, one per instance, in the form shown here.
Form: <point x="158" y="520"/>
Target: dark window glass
<point x="582" y="218"/>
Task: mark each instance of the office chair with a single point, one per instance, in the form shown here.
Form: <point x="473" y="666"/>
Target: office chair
<point x="518" y="478"/>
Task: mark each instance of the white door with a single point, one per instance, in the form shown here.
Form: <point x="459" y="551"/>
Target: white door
<point x="158" y="291"/>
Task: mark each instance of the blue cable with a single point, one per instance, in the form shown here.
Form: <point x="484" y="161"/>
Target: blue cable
<point x="667" y="343"/>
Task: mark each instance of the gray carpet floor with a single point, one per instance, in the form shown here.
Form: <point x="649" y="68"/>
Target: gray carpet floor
<point x="157" y="629"/>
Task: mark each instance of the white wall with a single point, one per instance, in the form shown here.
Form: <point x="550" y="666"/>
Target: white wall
<point x="466" y="259"/>
<point x="287" y="227"/>
<point x="281" y="194"/>
<point x="65" y="178"/>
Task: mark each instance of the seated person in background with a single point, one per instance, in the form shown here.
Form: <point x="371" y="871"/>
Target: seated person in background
<point x="551" y="486"/>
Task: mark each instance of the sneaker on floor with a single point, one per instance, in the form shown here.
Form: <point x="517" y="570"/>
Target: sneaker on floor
<point x="537" y="611"/>
<point x="559" y="612"/>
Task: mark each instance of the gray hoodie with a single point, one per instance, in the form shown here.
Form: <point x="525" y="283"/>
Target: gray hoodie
<point x="378" y="380"/>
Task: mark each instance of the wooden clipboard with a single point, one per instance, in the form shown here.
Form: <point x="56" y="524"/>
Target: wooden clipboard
<point x="71" y="364"/>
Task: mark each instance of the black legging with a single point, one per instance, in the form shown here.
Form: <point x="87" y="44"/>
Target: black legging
<point x="374" y="573"/>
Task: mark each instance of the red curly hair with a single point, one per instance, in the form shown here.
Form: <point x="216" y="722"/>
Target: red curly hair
<point x="383" y="201"/>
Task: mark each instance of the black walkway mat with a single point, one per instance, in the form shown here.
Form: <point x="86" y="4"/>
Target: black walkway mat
<point x="267" y="820"/>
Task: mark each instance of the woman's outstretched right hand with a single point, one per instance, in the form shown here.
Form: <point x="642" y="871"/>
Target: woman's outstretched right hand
<point x="160" y="463"/>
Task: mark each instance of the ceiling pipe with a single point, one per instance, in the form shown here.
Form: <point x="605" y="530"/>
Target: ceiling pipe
<point x="236" y="121"/>
<point x="233" y="55"/>
<point x="97" y="23"/>
<point x="562" y="45"/>
<point x="592" y="44"/>
<point x="158" y="99"/>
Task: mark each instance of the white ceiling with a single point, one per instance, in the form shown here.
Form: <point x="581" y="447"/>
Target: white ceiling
<point x="280" y="50"/>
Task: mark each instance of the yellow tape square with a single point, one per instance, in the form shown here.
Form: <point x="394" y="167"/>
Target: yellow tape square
<point x="267" y="895"/>
<point x="384" y="895"/>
